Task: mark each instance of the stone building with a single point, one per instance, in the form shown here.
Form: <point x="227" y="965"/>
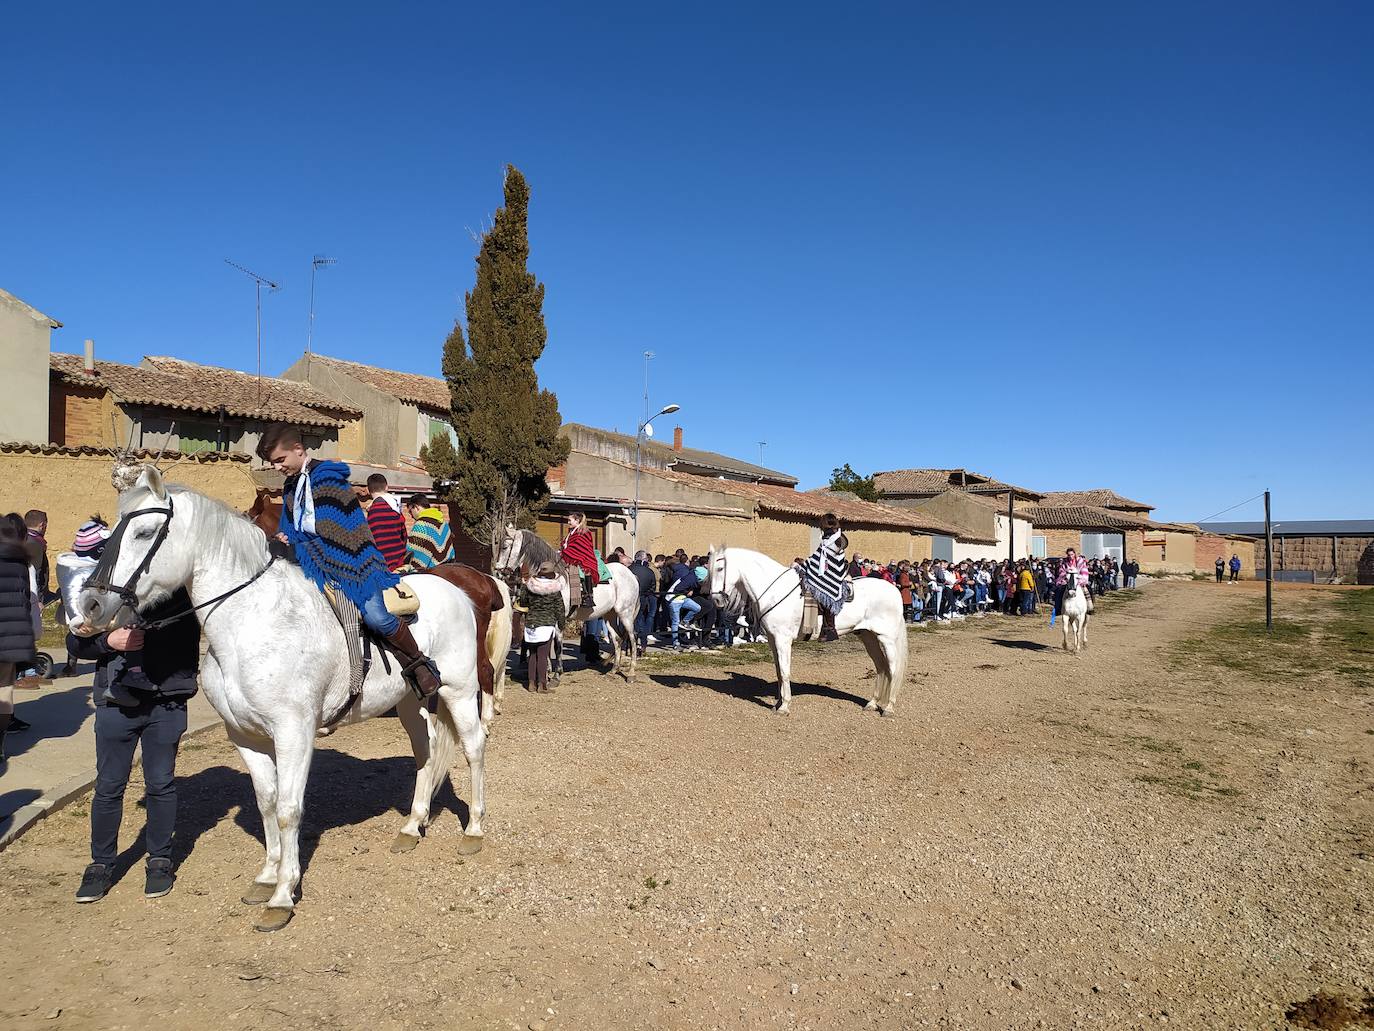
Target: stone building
<point x="990" y="514"/>
<point x="1319" y="550"/>
<point x="25" y="338"/>
<point x="179" y="406"/>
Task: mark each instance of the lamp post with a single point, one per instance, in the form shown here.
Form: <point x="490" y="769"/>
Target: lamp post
<point x="645" y="430"/>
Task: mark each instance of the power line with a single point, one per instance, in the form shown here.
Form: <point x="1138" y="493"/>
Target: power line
<point x="1233" y="507"/>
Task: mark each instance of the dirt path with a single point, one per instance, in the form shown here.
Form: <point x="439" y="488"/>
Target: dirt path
<point x="1036" y="841"/>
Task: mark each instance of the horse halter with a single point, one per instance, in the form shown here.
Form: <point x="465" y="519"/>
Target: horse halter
<point x="100" y="575"/>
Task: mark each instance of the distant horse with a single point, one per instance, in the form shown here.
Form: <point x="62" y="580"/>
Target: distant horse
<point x="774" y="591"/>
<point x="278" y="665"/>
<point x="1074" y="614"/>
<point x="617" y="601"/>
<point x="488" y="594"/>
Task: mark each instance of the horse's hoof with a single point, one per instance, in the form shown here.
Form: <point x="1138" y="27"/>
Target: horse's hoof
<point x="891" y="710"/>
<point x="274" y="919"/>
<point x="871" y="706"/>
<point x="258" y="894"/>
<point x="783" y="710"/>
<point x="405" y="842"/>
<point x="469" y="845"/>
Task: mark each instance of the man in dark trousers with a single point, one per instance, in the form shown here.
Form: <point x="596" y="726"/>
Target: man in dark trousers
<point x="142" y="682"/>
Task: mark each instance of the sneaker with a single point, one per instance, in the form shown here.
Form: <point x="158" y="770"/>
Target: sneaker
<point x="95" y="883"/>
<point x="159" y="879"/>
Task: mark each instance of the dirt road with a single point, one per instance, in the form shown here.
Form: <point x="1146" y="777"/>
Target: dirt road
<point x="1035" y="841"/>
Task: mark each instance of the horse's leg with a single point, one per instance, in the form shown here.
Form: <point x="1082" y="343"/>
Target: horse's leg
<point x="294" y="748"/>
<point x="474" y="738"/>
<point x="895" y="653"/>
<point x="1064" y="626"/>
<point x="875" y="652"/>
<point x="417" y="728"/>
<point x="613" y="625"/>
<point x="782" y="661"/>
<point x="1083" y="632"/>
<point x="627" y="623"/>
<point x="263" y="769"/>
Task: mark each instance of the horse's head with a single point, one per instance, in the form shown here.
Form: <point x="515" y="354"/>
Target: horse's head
<point x="508" y="559"/>
<point x="718" y="579"/>
<point x="147" y="557"/>
<point x="265" y="514"/>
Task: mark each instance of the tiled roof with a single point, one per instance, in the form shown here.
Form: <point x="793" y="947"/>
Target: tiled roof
<point x="186" y="386"/>
<point x="407" y="386"/>
<point x="1100" y="497"/>
<point x="578" y="433"/>
<point x="1084" y="517"/>
<point x="934" y="481"/>
<point x="8" y="447"/>
<point x="771" y="497"/>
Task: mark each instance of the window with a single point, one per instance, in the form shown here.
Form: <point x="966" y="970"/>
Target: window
<point x="1037" y="546"/>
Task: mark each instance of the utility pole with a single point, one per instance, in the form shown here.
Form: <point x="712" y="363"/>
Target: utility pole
<point x="1011" y="527"/>
<point x="762" y="444"/>
<point x="260" y="282"/>
<point x="1268" y="568"/>
<point x="318" y="262"/>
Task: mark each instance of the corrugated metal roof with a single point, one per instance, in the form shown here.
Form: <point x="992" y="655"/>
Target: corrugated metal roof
<point x="1298" y="528"/>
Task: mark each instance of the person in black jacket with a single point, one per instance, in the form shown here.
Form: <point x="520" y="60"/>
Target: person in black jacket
<point x="142" y="682"/>
<point x="648" y="598"/>
<point x="17" y="644"/>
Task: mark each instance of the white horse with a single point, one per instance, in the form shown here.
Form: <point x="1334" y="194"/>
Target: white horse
<point x="277" y="665"/>
<point x="617" y="600"/>
<point x="774" y="590"/>
<point x="499" y="633"/>
<point x="1074" y="615"/>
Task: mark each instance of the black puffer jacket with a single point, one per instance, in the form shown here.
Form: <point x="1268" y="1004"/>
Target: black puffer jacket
<point x="164" y="670"/>
<point x="16" y="619"/>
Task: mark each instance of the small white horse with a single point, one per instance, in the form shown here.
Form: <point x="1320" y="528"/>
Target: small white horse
<point x="774" y="590"/>
<point x="277" y="665"/>
<point x="1074" y="616"/>
<point x="616" y="601"/>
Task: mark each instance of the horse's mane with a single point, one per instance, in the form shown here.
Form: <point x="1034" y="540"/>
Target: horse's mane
<point x="242" y="542"/>
<point x="536" y="551"/>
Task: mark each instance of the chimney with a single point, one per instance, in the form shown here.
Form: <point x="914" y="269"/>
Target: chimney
<point x="677" y="438"/>
<point x="89" y="364"/>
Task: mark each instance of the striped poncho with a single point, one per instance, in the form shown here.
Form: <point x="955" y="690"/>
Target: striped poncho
<point x="388" y="529"/>
<point x="823" y="575"/>
<point x="430" y="541"/>
<point x="339" y="550"/>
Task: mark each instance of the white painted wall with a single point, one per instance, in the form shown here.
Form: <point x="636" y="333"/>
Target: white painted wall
<point x="998" y="551"/>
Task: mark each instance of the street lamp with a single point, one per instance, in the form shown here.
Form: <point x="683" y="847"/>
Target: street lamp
<point x="645" y="430"/>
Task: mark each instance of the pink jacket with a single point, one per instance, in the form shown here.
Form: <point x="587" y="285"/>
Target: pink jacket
<point x="1080" y="566"/>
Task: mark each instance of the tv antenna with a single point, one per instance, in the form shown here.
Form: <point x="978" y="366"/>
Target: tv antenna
<point x="260" y="282"/>
<point x="318" y="262"/>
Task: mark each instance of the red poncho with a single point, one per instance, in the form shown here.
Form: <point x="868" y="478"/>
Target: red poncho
<point x="580" y="550"/>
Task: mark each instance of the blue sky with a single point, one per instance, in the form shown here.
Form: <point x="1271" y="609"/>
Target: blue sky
<point x="1068" y="245"/>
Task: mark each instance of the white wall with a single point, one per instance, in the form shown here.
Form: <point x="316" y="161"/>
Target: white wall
<point x="998" y="551"/>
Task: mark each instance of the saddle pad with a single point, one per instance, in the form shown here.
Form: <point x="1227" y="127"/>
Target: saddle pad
<point x="811" y="618"/>
<point x="401" y="600"/>
<point x="350" y="621"/>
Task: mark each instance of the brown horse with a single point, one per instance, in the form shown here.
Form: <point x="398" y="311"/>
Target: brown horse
<point x="478" y="586"/>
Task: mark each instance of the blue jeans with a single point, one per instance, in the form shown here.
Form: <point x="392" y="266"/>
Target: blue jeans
<point x="644" y="622"/>
<point x="377" y="618"/>
<point x="1027" y="602"/>
<point x="675" y="607"/>
<point x="158" y="727"/>
<point x="916" y="606"/>
<point x="980" y="594"/>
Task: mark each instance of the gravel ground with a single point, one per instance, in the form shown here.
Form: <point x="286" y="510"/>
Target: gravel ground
<point x="1037" y="840"/>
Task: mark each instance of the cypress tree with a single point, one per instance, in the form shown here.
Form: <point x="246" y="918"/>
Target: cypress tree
<point x="507" y="426"/>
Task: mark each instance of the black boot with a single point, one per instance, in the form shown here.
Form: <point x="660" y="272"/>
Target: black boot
<point x="418" y="668"/>
<point x="828" y="626"/>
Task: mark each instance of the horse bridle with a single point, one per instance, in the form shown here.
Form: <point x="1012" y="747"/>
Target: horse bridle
<point x="128" y="599"/>
<point x="724" y="564"/>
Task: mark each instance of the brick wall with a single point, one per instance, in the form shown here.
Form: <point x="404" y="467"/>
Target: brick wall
<point x="1207" y="548"/>
<point x="887" y="545"/>
<point x="1167" y="551"/>
<point x="783" y="539"/>
<point x="81" y="416"/>
<point x="70" y="488"/>
<point x="1059" y="541"/>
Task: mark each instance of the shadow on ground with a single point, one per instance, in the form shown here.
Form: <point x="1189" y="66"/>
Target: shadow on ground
<point x="754" y="689"/>
<point x="1026" y="646"/>
<point x="343" y="791"/>
<point x="53" y="714"/>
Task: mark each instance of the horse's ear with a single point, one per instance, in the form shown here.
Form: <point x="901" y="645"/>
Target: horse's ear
<point x="151" y="479"/>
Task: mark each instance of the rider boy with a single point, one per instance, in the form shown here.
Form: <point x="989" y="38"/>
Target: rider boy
<point x="324" y="524"/>
<point x="823" y="575"/>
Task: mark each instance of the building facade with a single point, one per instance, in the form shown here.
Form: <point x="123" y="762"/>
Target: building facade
<point x="25" y="339"/>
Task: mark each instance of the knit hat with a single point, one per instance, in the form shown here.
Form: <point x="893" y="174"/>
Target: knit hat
<point x="547" y="569"/>
<point x="91" y="538"/>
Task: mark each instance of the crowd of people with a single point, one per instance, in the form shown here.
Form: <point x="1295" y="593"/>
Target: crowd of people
<point x="940" y="590"/>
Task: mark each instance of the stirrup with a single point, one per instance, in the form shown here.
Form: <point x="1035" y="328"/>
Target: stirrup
<point x="408" y="675"/>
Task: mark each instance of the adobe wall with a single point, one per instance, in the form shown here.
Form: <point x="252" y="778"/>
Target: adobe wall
<point x="888" y="545"/>
<point x="1207" y="548"/>
<point x="72" y="487"/>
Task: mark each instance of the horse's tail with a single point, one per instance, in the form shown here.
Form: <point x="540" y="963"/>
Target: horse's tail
<point x="497" y="644"/>
<point x="898" y="660"/>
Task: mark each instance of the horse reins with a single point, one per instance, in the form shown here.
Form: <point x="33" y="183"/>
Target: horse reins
<point x="724" y="566"/>
<point x="100" y="576"/>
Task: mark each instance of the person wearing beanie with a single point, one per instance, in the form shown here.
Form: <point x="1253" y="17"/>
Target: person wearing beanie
<point x="91" y="537"/>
